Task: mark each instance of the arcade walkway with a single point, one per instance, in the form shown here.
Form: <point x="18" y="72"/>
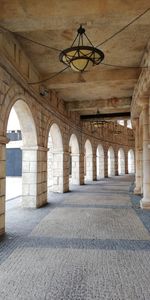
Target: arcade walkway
<point x="92" y="243"/>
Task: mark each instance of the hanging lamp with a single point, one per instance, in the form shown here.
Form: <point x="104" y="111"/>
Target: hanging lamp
<point x="80" y="56"/>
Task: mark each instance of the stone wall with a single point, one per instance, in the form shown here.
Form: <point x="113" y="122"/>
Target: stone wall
<point x="37" y="114"/>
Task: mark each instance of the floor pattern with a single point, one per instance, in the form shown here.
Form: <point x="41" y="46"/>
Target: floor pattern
<point x="91" y="243"/>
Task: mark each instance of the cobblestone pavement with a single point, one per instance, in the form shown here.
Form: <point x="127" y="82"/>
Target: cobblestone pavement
<point x="91" y="243"/>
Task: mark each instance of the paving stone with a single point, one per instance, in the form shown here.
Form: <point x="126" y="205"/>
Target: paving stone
<point x="91" y="244"/>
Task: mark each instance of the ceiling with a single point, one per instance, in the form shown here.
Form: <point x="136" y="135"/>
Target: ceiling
<point x="54" y="23"/>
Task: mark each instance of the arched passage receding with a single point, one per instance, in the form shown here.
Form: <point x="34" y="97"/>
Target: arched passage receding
<point x="111" y="162"/>
<point x="100" y="162"/>
<point x="88" y="161"/>
<point x="55" y="160"/>
<point x="29" y="153"/>
<point x="121" y="162"/>
<point x="131" y="168"/>
<point x="74" y="159"/>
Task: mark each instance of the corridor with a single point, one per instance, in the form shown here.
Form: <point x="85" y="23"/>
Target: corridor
<point x="92" y="243"/>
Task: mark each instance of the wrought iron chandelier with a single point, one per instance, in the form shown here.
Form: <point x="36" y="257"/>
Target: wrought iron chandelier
<point x="79" y="56"/>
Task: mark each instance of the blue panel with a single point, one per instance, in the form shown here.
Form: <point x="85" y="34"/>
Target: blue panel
<point x="13" y="162"/>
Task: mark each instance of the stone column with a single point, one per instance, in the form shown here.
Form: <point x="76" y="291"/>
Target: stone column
<point x="126" y="162"/>
<point x="105" y="164"/>
<point x="145" y="202"/>
<point x="94" y="166"/>
<point x="116" y="163"/>
<point x="3" y="142"/>
<point x="137" y="189"/>
<point x="141" y="170"/>
<point x="81" y="168"/>
<point x="66" y="169"/>
<point x="41" y="176"/>
<point x="34" y="176"/>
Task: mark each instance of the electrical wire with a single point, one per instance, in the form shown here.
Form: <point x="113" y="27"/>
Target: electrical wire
<point x="123" y="28"/>
<point x="30" y="40"/>
<point x="56" y="49"/>
<point x="48" y="78"/>
<point x="125" y="67"/>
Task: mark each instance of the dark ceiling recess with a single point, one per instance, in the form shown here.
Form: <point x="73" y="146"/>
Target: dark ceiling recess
<point x="123" y="115"/>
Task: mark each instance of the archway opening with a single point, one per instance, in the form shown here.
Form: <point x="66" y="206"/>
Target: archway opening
<point x="55" y="160"/>
<point x="111" y="162"/>
<point x="121" y="162"/>
<point x="131" y="163"/>
<point x="21" y="155"/>
<point x="100" y="162"/>
<point x="74" y="177"/>
<point x="88" y="161"/>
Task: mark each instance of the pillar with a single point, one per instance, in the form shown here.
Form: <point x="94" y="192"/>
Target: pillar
<point x="94" y="166"/>
<point x="3" y="141"/>
<point x="66" y="171"/>
<point x="41" y="176"/>
<point x="141" y="169"/>
<point x="34" y="176"/>
<point x="137" y="189"/>
<point x="105" y="164"/>
<point x="145" y="202"/>
<point x="116" y="163"/>
<point x="126" y="161"/>
<point x="81" y="169"/>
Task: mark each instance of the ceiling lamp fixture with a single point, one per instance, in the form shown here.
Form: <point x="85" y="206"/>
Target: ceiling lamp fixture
<point x="79" y="56"/>
<point x="99" y="123"/>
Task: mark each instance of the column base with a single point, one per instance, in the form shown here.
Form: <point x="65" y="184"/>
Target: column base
<point x="2" y="231"/>
<point x="145" y="203"/>
<point x="137" y="191"/>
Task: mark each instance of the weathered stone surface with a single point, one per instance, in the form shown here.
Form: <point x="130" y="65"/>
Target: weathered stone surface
<point x="88" y="244"/>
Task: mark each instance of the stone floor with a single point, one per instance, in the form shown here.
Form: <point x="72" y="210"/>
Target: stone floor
<point x="91" y="243"/>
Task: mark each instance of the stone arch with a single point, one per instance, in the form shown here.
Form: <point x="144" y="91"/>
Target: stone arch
<point x="74" y="159"/>
<point x="55" y="160"/>
<point x="121" y="162"/>
<point x="88" y="161"/>
<point x="27" y="123"/>
<point x="131" y="162"/>
<point x="29" y="152"/>
<point x="100" y="161"/>
<point x="13" y="95"/>
<point x="111" y="162"/>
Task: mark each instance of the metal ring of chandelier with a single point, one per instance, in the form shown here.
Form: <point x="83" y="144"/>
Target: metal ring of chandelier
<point x="79" y="57"/>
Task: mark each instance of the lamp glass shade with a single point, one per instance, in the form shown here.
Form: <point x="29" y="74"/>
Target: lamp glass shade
<point x="79" y="64"/>
<point x="78" y="58"/>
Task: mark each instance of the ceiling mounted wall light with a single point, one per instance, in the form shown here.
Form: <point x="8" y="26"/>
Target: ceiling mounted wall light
<point x="80" y="56"/>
